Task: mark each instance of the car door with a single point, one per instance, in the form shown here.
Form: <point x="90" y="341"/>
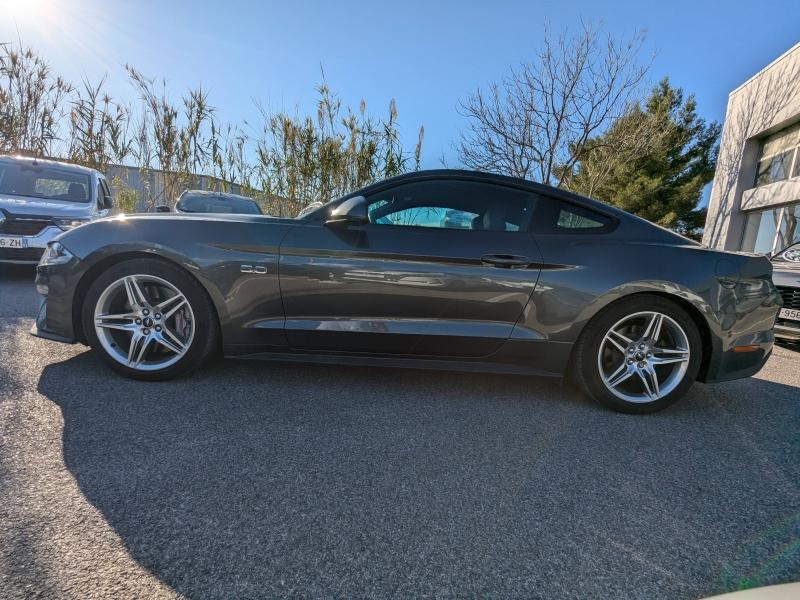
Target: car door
<point x="443" y="267"/>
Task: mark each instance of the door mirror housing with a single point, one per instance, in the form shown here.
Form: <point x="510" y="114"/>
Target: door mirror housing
<point x="352" y="211"/>
<point x="163" y="208"/>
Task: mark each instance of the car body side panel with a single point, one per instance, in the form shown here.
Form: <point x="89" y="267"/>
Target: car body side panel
<point x="404" y="290"/>
<point x="585" y="273"/>
<point x="236" y="261"/>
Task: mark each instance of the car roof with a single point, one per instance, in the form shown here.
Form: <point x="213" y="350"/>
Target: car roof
<point x="518" y="182"/>
<point x="48" y="162"/>
<point x="506" y="180"/>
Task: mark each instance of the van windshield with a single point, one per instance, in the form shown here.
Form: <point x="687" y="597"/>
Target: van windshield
<point x="40" y="181"/>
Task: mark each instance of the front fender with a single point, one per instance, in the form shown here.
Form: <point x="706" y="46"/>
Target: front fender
<point x="215" y="252"/>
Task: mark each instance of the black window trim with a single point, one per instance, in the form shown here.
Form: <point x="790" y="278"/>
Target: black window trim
<point x="372" y="193"/>
<point x="554" y="194"/>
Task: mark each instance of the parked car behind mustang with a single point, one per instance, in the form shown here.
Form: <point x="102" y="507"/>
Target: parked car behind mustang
<point x="202" y="201"/>
<point x="786" y="275"/>
<point x="39" y="199"/>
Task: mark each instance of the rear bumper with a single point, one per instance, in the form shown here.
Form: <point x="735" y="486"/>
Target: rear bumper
<point x="738" y="365"/>
<point x="742" y="333"/>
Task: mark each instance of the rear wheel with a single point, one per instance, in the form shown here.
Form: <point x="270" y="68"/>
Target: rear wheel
<point x="150" y="320"/>
<point x="639" y="355"/>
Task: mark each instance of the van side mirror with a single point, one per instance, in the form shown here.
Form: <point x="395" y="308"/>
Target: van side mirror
<point x="163" y="208"/>
<point x="352" y="211"/>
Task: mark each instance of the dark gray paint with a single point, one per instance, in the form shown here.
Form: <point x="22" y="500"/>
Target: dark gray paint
<point x="423" y="297"/>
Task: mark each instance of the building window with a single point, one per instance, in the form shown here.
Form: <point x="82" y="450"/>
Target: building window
<point x="770" y="231"/>
<point x="780" y="156"/>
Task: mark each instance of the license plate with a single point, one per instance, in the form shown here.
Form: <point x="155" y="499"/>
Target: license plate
<point x="13" y="242"/>
<point x="790" y="313"/>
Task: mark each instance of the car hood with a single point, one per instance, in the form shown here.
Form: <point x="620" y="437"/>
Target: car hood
<point x="19" y="205"/>
<point x="785" y="276"/>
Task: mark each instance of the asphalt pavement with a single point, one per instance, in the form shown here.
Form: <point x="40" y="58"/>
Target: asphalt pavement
<point x="260" y="480"/>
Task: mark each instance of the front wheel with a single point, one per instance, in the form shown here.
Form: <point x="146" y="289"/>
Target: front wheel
<point x="639" y="355"/>
<point x="150" y="320"/>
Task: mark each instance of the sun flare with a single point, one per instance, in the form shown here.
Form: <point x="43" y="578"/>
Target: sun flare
<point x="25" y="9"/>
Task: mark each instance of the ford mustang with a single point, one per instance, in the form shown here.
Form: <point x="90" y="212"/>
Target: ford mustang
<point x="434" y="269"/>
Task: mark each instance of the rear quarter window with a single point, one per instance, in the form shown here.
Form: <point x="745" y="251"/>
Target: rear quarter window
<point x="570" y="217"/>
<point x="554" y="215"/>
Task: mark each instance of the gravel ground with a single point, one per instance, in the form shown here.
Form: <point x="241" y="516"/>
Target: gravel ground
<point x="258" y="480"/>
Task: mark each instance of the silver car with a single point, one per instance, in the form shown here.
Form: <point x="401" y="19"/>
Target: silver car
<point x="786" y="275"/>
<point x="41" y="198"/>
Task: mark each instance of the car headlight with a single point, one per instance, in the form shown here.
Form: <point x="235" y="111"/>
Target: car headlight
<point x="69" y="223"/>
<point x="55" y="254"/>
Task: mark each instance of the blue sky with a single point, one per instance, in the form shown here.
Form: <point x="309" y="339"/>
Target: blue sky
<point x="426" y="55"/>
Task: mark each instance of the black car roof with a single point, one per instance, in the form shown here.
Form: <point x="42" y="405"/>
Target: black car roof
<point x="495" y="178"/>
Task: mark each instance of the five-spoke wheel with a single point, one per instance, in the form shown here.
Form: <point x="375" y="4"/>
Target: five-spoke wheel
<point x="643" y="357"/>
<point x="144" y="322"/>
<point x="638" y="355"/>
<point x="150" y="319"/>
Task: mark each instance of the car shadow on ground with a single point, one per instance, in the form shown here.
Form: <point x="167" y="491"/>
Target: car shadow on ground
<point x="261" y="480"/>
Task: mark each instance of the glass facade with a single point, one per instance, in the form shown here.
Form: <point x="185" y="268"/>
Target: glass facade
<point x="770" y="230"/>
<point x="780" y="156"/>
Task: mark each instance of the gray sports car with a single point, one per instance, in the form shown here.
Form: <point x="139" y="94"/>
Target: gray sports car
<point x="540" y="282"/>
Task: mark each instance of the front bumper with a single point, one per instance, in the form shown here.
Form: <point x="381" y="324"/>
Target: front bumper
<point x="57" y="284"/>
<point x="34" y="247"/>
<point x="784" y="331"/>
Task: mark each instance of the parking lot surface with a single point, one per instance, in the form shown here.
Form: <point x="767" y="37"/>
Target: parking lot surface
<point x="259" y="480"/>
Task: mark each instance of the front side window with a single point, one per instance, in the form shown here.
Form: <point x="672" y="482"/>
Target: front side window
<point x="445" y="204"/>
<point x="40" y="181"/>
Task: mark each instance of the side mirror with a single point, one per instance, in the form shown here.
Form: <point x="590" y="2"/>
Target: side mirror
<point x="352" y="211"/>
<point x="163" y="208"/>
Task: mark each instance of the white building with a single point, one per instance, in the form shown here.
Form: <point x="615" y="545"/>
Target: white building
<point x="755" y="198"/>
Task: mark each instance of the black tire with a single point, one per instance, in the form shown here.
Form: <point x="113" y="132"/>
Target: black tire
<point x="585" y="366"/>
<point x="206" y="340"/>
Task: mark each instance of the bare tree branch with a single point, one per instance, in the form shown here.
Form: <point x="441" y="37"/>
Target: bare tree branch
<point x="536" y="122"/>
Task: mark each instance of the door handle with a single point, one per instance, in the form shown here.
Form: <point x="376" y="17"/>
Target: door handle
<point x="506" y="261"/>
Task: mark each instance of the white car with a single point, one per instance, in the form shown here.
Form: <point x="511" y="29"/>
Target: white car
<point x="41" y="198"/>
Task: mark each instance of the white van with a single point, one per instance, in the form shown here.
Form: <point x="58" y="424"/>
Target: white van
<point x="41" y="198"/>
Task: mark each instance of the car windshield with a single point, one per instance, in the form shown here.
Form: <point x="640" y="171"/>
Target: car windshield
<point x="40" y="181"/>
<point x="208" y="203"/>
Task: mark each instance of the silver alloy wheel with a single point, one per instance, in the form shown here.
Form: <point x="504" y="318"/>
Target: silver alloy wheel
<point x="144" y="322"/>
<point x="643" y="357"/>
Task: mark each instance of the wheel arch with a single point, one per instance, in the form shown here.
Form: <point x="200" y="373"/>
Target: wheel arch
<point x="101" y="264"/>
<point x="691" y="309"/>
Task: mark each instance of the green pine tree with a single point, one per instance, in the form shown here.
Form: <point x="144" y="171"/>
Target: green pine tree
<point x="653" y="161"/>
